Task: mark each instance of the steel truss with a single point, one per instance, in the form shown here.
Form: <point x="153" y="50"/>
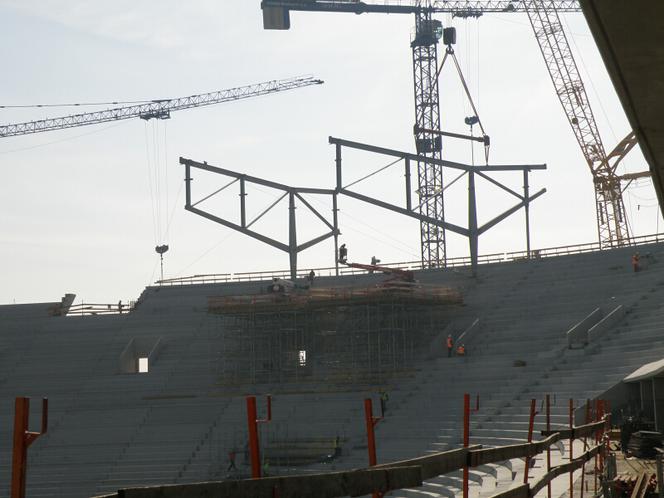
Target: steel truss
<point x="473" y="231"/>
<point x="485" y="172"/>
<point x="294" y="194"/>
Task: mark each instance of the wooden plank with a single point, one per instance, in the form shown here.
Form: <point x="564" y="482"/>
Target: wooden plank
<point x="329" y="485"/>
<point x="559" y="470"/>
<point x="520" y="491"/>
<point x="578" y="432"/>
<point x="436" y="464"/>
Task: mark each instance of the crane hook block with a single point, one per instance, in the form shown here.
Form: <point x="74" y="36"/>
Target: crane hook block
<point x="449" y="36"/>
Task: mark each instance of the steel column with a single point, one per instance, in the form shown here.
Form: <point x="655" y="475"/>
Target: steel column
<point x="243" y="204"/>
<point x="292" y="236"/>
<point x="526" y="208"/>
<point x="335" y="223"/>
<point x="472" y="221"/>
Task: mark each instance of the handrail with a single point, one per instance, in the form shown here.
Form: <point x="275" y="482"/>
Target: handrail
<point x="386" y="477"/>
<point x="456" y="262"/>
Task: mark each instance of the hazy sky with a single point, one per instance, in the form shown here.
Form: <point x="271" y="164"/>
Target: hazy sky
<point x="82" y="209"/>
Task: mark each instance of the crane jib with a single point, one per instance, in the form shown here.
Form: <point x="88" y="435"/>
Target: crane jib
<point x="157" y="109"/>
<point x="474" y="8"/>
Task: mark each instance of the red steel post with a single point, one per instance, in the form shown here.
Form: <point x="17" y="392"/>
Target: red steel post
<point x="254" y="447"/>
<point x="371" y="422"/>
<point x="600" y="415"/>
<point x="23" y="438"/>
<point x="371" y="436"/>
<point x="531" y="425"/>
<point x="548" y="449"/>
<point x="466" y="439"/>
<point x="585" y="448"/>
<point x="571" y="447"/>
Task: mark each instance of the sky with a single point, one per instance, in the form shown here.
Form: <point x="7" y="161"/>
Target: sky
<point x="81" y="210"/>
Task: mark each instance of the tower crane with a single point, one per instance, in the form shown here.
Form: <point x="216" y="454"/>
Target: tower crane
<point x="543" y="14"/>
<point x="157" y="109"/>
<point x="424" y="45"/>
<point x="612" y="226"/>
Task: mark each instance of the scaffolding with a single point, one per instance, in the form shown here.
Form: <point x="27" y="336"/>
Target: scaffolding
<point x="325" y="335"/>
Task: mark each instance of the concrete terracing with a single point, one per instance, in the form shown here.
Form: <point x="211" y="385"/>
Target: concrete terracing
<point x="177" y="423"/>
<point x="630" y="38"/>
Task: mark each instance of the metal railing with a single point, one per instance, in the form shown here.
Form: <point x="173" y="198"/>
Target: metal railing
<point x="458" y="262"/>
<point x="87" y="309"/>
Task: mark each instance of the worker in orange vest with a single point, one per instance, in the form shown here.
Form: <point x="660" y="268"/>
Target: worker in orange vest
<point x="450" y="345"/>
<point x="635" y="262"/>
<point x="461" y="350"/>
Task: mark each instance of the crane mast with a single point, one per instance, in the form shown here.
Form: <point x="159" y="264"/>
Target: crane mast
<point x="156" y="109"/>
<point x="611" y="221"/>
<point x="428" y="144"/>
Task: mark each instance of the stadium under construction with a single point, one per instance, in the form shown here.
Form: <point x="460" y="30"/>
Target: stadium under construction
<point x="505" y="375"/>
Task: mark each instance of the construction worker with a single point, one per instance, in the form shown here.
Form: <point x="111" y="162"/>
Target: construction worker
<point x="461" y="350"/>
<point x="231" y="460"/>
<point x="343" y="254"/>
<point x="384" y="397"/>
<point x="450" y="345"/>
<point x="312" y="275"/>
<point x="635" y="262"/>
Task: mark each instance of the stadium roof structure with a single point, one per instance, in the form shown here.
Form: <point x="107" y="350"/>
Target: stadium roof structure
<point x="631" y="42"/>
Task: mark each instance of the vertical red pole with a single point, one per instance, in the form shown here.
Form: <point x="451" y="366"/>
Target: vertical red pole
<point x="585" y="448"/>
<point x="371" y="437"/>
<point x="548" y="449"/>
<point x="531" y="425"/>
<point x="466" y="439"/>
<point x="595" y="419"/>
<point x="253" y="437"/>
<point x="571" y="447"/>
<point x="22" y="440"/>
<point x="20" y="455"/>
<point x="600" y="415"/>
<point x="370" y="422"/>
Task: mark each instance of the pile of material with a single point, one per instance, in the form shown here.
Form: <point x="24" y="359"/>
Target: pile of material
<point x="642" y="444"/>
<point x="624" y="484"/>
